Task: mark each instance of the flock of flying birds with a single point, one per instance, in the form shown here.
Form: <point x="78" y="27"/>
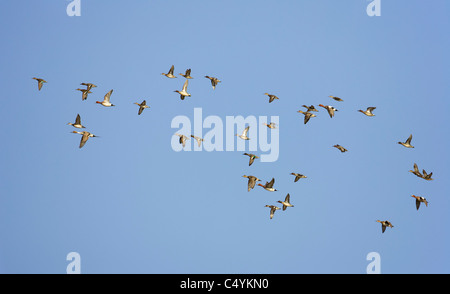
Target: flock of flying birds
<point x="268" y="186"/>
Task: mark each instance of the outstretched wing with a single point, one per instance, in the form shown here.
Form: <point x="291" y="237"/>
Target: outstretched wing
<point x="108" y="96"/>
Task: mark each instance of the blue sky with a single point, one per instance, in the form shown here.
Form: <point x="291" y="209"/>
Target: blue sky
<point x="128" y="203"/>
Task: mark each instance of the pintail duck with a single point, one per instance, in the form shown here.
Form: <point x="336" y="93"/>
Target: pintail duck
<point x="336" y="98"/>
<point x="269" y="186"/>
<point x="183" y="93"/>
<point x="420" y="199"/>
<point x="170" y="73"/>
<point x="407" y="143"/>
<point x="298" y="176"/>
<point x="385" y="224"/>
<point x="286" y="202"/>
<point x="368" y="112"/>
<point x="342" y="149"/>
<point x="244" y="134"/>
<point x="106" y="100"/>
<point x="182" y="139"/>
<point x="214" y="81"/>
<point x="426" y="176"/>
<point x="271" y="125"/>
<point x="89" y="85"/>
<point x="187" y="74"/>
<point x="329" y="108"/>
<point x="198" y="139"/>
<point x="85" y="137"/>
<point x="273" y="208"/>
<point x="85" y="93"/>
<point x="142" y="106"/>
<point x="251" y="181"/>
<point x="271" y="97"/>
<point x="77" y="123"/>
<point x="308" y="115"/>
<point x="310" y="108"/>
<point x="252" y="158"/>
<point x="40" y="82"/>
<point x="416" y="171"/>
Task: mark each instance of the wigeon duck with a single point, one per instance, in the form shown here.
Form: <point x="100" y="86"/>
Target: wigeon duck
<point x="298" y="176"/>
<point x="420" y="199"/>
<point x="243" y="136"/>
<point x="85" y="137"/>
<point x="187" y="74"/>
<point x="269" y="186"/>
<point x="368" y="111"/>
<point x="426" y="176"/>
<point x="183" y="93"/>
<point x="89" y="85"/>
<point x="308" y="115"/>
<point x="85" y="93"/>
<point x="251" y="181"/>
<point x="286" y="202"/>
<point x="106" y="100"/>
<point x="416" y="171"/>
<point x="214" y="81"/>
<point x="271" y="125"/>
<point x="407" y="143"/>
<point x="198" y="139"/>
<point x="252" y="158"/>
<point x="385" y="224"/>
<point x="271" y="97"/>
<point x="329" y="108"/>
<point x="77" y="123"/>
<point x="170" y="73"/>
<point x="143" y="105"/>
<point x="342" y="149"/>
<point x="336" y="98"/>
<point x="310" y="108"/>
<point x="273" y="208"/>
<point x="40" y="82"/>
<point x="182" y="139"/>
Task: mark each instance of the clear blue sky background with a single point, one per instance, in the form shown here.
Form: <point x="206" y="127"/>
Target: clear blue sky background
<point x="127" y="203"/>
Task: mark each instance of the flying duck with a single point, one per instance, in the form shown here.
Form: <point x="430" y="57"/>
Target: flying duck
<point x="310" y="108"/>
<point x="286" y="202"/>
<point x="407" y="143"/>
<point x="368" y="112"/>
<point x="40" y="82"/>
<point x="426" y="176"/>
<point x="271" y="97"/>
<point x="336" y="98"/>
<point x="244" y="134"/>
<point x="272" y="125"/>
<point x="342" y="149"/>
<point x="198" y="139"/>
<point x="106" y="100"/>
<point x="385" y="224"/>
<point x="85" y="93"/>
<point x="182" y="139"/>
<point x="298" y="176"/>
<point x="77" y="123"/>
<point x="187" y="74"/>
<point x="252" y="158"/>
<point x="416" y="171"/>
<point x="170" y="73"/>
<point x="89" y="85"/>
<point x="142" y="106"/>
<point x="308" y="115"/>
<point x="214" y="81"/>
<point x="420" y="199"/>
<point x="85" y="137"/>
<point x="269" y="186"/>
<point x="251" y="181"/>
<point x="273" y="208"/>
<point x="329" y="108"/>
<point x="183" y="93"/>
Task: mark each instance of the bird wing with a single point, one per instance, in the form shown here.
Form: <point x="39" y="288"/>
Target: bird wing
<point x="244" y="133"/>
<point x="108" y="96"/>
<point x="270" y="184"/>
<point x="171" y="70"/>
<point x="185" y="86"/>
<point x="417" y="204"/>
<point x="84" y="139"/>
<point x="408" y="141"/>
<point x="78" y="120"/>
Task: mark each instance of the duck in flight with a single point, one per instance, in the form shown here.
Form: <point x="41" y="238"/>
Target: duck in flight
<point x="183" y="93"/>
<point x="336" y="98"/>
<point x="143" y="105"/>
<point x="308" y="115"/>
<point x="251" y="182"/>
<point x="272" y="125"/>
<point x="85" y="136"/>
<point x="310" y="108"/>
<point x="77" y="123"/>
<point x="85" y="93"/>
<point x="368" y="111"/>
<point x="214" y="81"/>
<point x="342" y="149"/>
<point x="273" y="208"/>
<point x="286" y="203"/>
<point x="182" y="139"/>
<point x="170" y="73"/>
<point x="407" y="143"/>
<point x="271" y="97"/>
<point x="419" y="200"/>
<point x="329" y="108"/>
<point x="269" y="186"/>
<point x="252" y="158"/>
<point x="40" y="82"/>
<point x="244" y="136"/>
<point x="106" y="100"/>
<point x="385" y="224"/>
<point x="198" y="139"/>
<point x="298" y="176"/>
<point x="416" y="171"/>
<point x="89" y="85"/>
<point x="187" y="74"/>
